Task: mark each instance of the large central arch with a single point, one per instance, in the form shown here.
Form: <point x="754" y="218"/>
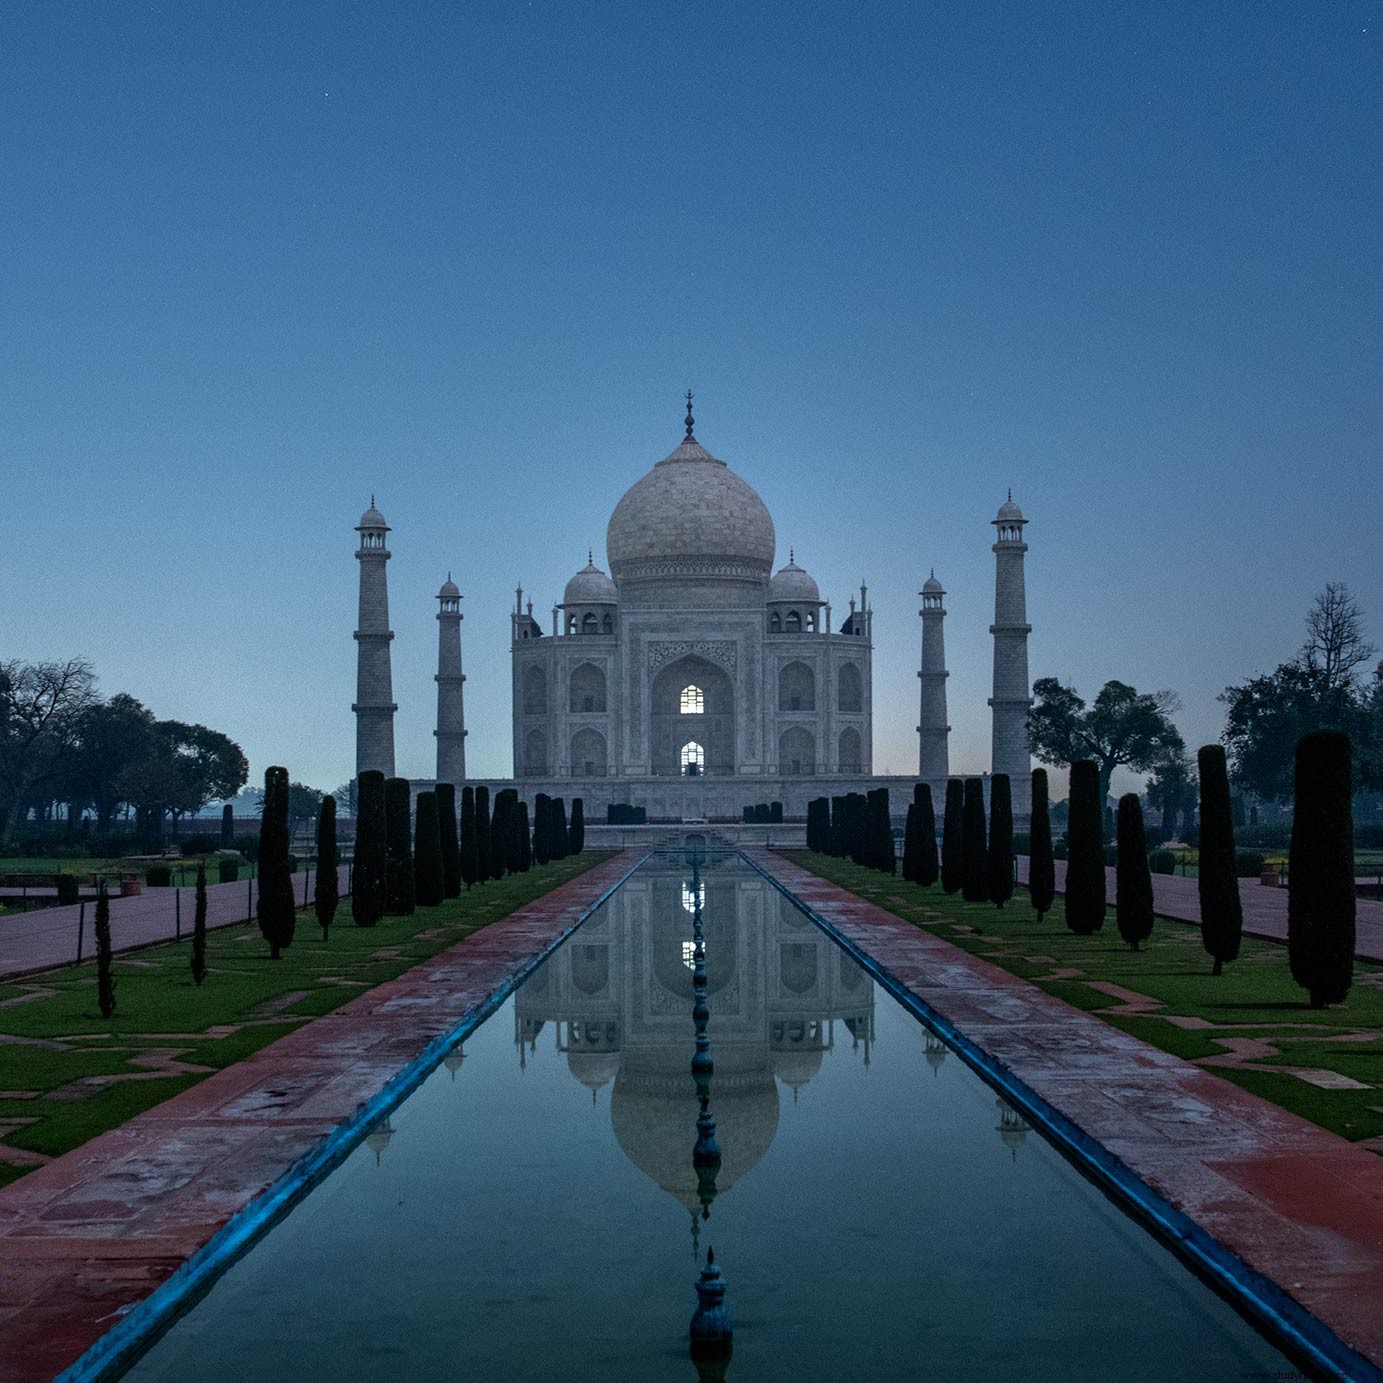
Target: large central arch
<point x="713" y="728"/>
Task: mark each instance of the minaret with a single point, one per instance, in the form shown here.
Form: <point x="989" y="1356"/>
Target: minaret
<point x="934" y="755"/>
<point x="374" y="684"/>
<point x="451" y="712"/>
<point x="1012" y="697"/>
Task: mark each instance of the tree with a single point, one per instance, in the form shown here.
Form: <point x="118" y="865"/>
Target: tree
<point x="882" y="855"/>
<point x="1320" y="877"/>
<point x="111" y="737"/>
<point x="1085" y="877"/>
<point x="542" y="830"/>
<point x="398" y="837"/>
<point x="227" y="826"/>
<point x="326" y="893"/>
<point x="1041" y="870"/>
<point x="275" y="909"/>
<point x="1171" y="788"/>
<point x="952" y="829"/>
<point x="451" y="844"/>
<point x="909" y="869"/>
<point x="836" y="846"/>
<point x="199" y="929"/>
<point x="1121" y="728"/>
<point x="105" y="979"/>
<point x="1000" y="840"/>
<point x="429" y="882"/>
<point x="42" y="707"/>
<point x="557" y="818"/>
<point x="974" y="853"/>
<point x="345" y="796"/>
<point x="526" y="835"/>
<point x="470" y="858"/>
<point x="928" y="868"/>
<point x="499" y="835"/>
<point x="513" y="832"/>
<point x="482" y="833"/>
<point x="1133" y="891"/>
<point x="576" y="835"/>
<point x="369" y="891"/>
<point x="1222" y="910"/>
<point x="1335" y="644"/>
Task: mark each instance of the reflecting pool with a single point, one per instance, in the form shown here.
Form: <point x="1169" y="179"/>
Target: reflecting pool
<point x="541" y="1206"/>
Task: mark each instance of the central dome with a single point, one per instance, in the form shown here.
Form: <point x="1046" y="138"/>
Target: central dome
<point x="691" y="522"/>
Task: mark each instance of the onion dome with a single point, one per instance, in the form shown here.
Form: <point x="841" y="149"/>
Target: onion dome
<point x="793" y="585"/>
<point x="1009" y="512"/>
<point x="590" y="586"/>
<point x="372" y="518"/>
<point x="931" y="586"/>
<point x="450" y="590"/>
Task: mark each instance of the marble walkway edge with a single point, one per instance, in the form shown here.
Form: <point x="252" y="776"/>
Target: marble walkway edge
<point x="1296" y="1203"/>
<point x="94" y="1232"/>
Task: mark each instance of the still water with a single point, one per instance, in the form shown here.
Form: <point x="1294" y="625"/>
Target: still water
<point x="532" y="1211"/>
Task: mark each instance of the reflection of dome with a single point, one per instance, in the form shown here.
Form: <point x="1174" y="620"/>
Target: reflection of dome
<point x="654" y="1107"/>
<point x="590" y="586"/>
<point x="593" y="1069"/>
<point x="796" y="1068"/>
<point x="691" y="516"/>
<point x="793" y="584"/>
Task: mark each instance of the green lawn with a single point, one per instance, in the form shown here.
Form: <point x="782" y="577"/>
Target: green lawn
<point x="1254" y="998"/>
<point x="164" y="1022"/>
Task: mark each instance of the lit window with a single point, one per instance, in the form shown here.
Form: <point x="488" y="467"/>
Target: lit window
<point x="693" y="703"/>
<point x="693" y="898"/>
<point x="693" y="758"/>
<point x="689" y="954"/>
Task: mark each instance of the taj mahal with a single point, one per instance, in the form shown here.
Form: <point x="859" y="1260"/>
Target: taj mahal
<point x="692" y="679"/>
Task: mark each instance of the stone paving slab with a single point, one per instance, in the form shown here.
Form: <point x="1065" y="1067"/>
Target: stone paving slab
<point x="31" y="942"/>
<point x="1299" y="1205"/>
<point x="95" y="1231"/>
<point x="1265" y="908"/>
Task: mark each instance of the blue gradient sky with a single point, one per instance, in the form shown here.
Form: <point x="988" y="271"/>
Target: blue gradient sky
<point x="263" y="259"/>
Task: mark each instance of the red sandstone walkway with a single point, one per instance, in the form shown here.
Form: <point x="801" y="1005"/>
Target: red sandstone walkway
<point x="1300" y="1205"/>
<point x="1265" y="909"/>
<point x="95" y="1231"/>
<point x="47" y="937"/>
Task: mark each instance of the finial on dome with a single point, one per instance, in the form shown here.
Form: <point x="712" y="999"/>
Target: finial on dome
<point x="372" y="499"/>
<point x="1010" y="493"/>
<point x="792" y="555"/>
<point x="590" y="556"/>
<point x="690" y="420"/>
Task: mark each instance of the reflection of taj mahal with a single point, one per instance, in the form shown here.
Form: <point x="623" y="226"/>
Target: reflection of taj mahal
<point x="693" y="679"/>
<point x="617" y="1000"/>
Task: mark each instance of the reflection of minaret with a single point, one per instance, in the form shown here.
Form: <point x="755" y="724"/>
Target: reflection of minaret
<point x="1012" y="1128"/>
<point x="378" y="1138"/>
<point x="706" y="1157"/>
<point x="453" y="1060"/>
<point x="451" y="713"/>
<point x="936" y="1053"/>
<point x="1012" y="699"/>
<point x="374" y="687"/>
<point x="932" y="729"/>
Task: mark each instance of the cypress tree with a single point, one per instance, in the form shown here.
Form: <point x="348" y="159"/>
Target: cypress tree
<point x="576" y="834"/>
<point x="557" y="819"/>
<point x="1222" y="910"/>
<point x="429" y="880"/>
<point x="199" y="929"/>
<point x="105" y="980"/>
<point x="974" y="856"/>
<point x="526" y="835"/>
<point x="1041" y="869"/>
<point x="482" y="833"/>
<point x="837" y="837"/>
<point x="1085" y="877"/>
<point x="470" y="860"/>
<point x="369" y="873"/>
<point x="1320" y="876"/>
<point x="513" y="832"/>
<point x="542" y="838"/>
<point x="1000" y="839"/>
<point x="910" y="844"/>
<point x="327" y="888"/>
<point x="952" y="830"/>
<point x="1133" y="894"/>
<point x="499" y="835"/>
<point x="928" y="866"/>
<point x="884" y="855"/>
<point x="227" y="825"/>
<point x="276" y="910"/>
<point x="398" y="836"/>
<point x="451" y="845"/>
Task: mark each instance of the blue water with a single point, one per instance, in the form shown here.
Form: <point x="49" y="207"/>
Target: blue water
<point x="531" y="1212"/>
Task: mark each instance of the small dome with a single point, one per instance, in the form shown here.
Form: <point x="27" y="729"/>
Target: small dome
<point x="594" y="1069"/>
<point x="797" y="1068"/>
<point x="590" y="586"/>
<point x="1009" y="511"/>
<point x="450" y="590"/>
<point x="372" y="518"/>
<point x="793" y="584"/>
<point x="931" y="586"/>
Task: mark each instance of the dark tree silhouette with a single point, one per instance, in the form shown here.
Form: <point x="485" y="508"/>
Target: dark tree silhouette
<point x="1222" y="910"/>
<point x="369" y="873"/>
<point x="451" y="844"/>
<point x="398" y="835"/>
<point x="482" y="833"/>
<point x="1133" y="894"/>
<point x="199" y="929"/>
<point x="576" y="833"/>
<point x="105" y="980"/>
<point x="326" y="888"/>
<point x="1085" y="877"/>
<point x="470" y="857"/>
<point x="974" y="852"/>
<point x="429" y="881"/>
<point x="1000" y="840"/>
<point x="952" y="837"/>
<point x="275" y="910"/>
<point x="928" y="864"/>
<point x="1041" y="870"/>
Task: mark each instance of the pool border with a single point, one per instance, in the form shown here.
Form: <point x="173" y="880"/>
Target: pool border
<point x="1304" y="1336"/>
<point x="112" y="1354"/>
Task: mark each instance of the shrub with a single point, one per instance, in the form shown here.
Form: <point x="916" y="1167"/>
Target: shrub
<point x="1061" y="849"/>
<point x="952" y="829"/>
<point x="68" y="889"/>
<point x="1000" y="840"/>
<point x="1222" y="911"/>
<point x="840" y="834"/>
<point x="1162" y="862"/>
<point x="482" y="833"/>
<point x="881" y="849"/>
<point x="158" y="876"/>
<point x="247" y="843"/>
<point x="451" y="843"/>
<point x="1133" y="893"/>
<point x="1041" y="875"/>
<point x="105" y="979"/>
<point x="368" y="889"/>
<point x="557" y="823"/>
<point x="928" y="866"/>
<point x="576" y="835"/>
<point x="227" y="825"/>
<point x="542" y="837"/>
<point x="499" y="835"/>
<point x="227" y="871"/>
<point x="1248" y="864"/>
<point x="191" y="846"/>
<point x="275" y="908"/>
<point x="1085" y="878"/>
<point x="429" y="881"/>
<point x="326" y="890"/>
<point x="909" y="860"/>
<point x="974" y="853"/>
<point x="398" y="837"/>
<point x="1320" y="878"/>
<point x="513" y="832"/>
<point x="470" y="859"/>
<point x="198" y="957"/>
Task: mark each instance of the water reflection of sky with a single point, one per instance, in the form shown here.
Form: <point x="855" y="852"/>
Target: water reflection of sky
<point x="533" y="1211"/>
